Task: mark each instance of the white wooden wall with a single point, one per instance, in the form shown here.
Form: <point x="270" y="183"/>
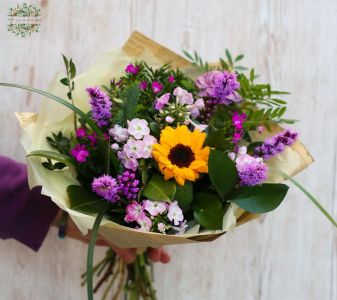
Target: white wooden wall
<point x="292" y="253"/>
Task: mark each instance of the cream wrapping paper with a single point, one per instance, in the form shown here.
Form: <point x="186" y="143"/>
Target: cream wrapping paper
<point x="53" y="117"/>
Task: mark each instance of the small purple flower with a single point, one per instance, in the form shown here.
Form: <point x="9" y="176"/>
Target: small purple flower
<point x="119" y="133"/>
<point x="106" y="187"/>
<point x="81" y="132"/>
<point x="128" y="185"/>
<point x="156" y="87"/>
<point x="162" y="101"/>
<point x="206" y="82"/>
<point x="237" y="121"/>
<point x="132" y="69"/>
<point x="183" y="97"/>
<point x="128" y="163"/>
<point x="251" y="170"/>
<point x="143" y="85"/>
<point x="92" y="138"/>
<point x="224" y="86"/>
<point x="175" y="214"/>
<point x="100" y="106"/>
<point x="276" y="144"/>
<point x="171" y="79"/>
<point x="80" y="153"/>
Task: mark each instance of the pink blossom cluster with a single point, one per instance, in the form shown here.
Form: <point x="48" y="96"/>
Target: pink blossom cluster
<point x="237" y="121"/>
<point x="136" y="142"/>
<point x="157" y="216"/>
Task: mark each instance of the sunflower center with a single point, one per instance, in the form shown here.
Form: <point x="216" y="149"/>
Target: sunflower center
<point x="181" y="155"/>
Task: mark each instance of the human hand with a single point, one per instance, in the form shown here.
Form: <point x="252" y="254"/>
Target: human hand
<point x="127" y="254"/>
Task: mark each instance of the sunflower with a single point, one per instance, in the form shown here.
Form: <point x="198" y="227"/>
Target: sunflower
<point x="180" y="154"/>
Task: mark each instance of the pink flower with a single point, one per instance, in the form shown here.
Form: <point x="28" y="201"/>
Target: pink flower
<point x="132" y="69"/>
<point x="134" y="148"/>
<point x="138" y="128"/>
<point x="206" y="82"/>
<point x="144" y="222"/>
<point x="154" y="208"/>
<point x="148" y="142"/>
<point x="157" y="87"/>
<point x="171" y="79"/>
<point x="92" y="139"/>
<point x="81" y="132"/>
<point x="175" y="214"/>
<point x="119" y="133"/>
<point x="80" y="153"/>
<point x="238" y="120"/>
<point x="169" y="119"/>
<point x="182" y="96"/>
<point x="161" y="227"/>
<point x="134" y="211"/>
<point x="162" y="101"/>
<point x="260" y="129"/>
<point x="128" y="163"/>
<point x="143" y="85"/>
<point x="196" y="107"/>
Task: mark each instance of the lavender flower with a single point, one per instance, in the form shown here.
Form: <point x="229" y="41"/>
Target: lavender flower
<point x="128" y="185"/>
<point x="251" y="170"/>
<point x="106" y="187"/>
<point x="100" y="106"/>
<point x="276" y="144"/>
<point x="224" y="86"/>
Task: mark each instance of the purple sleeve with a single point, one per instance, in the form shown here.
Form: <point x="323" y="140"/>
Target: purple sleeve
<point x="25" y="215"/>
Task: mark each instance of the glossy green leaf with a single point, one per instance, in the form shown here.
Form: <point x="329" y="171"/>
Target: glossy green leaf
<point x="208" y="211"/>
<point x="159" y="189"/>
<point x="222" y="172"/>
<point x="216" y="139"/>
<point x="259" y="199"/>
<point x="85" y="201"/>
<point x="184" y="195"/>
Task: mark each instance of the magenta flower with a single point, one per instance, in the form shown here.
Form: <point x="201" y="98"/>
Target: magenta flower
<point x="237" y="121"/>
<point x="143" y="85"/>
<point x="171" y="79"/>
<point x="162" y="101"/>
<point x="134" y="211"/>
<point x="80" y="153"/>
<point x="81" y="132"/>
<point x="92" y="138"/>
<point x="106" y="187"/>
<point x="132" y="69"/>
<point x="156" y="87"/>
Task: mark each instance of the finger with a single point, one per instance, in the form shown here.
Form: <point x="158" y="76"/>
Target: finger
<point x="128" y="255"/>
<point x="165" y="257"/>
<point x="154" y="254"/>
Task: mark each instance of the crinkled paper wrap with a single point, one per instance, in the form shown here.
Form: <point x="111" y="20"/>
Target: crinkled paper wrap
<point x="54" y="117"/>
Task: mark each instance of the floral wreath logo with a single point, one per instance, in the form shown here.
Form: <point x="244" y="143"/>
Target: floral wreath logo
<point x="24" y="19"/>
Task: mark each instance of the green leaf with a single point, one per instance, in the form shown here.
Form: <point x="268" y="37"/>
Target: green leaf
<point x="184" y="195"/>
<point x="222" y="172"/>
<point x="208" y="211"/>
<point x="259" y="199"/>
<point x="72" y="69"/>
<point x="159" y="189"/>
<point x="65" y="62"/>
<point x="51" y="155"/>
<point x="239" y="57"/>
<point x="82" y="114"/>
<point x="229" y="57"/>
<point x="130" y="99"/>
<point x="65" y="81"/>
<point x="216" y="139"/>
<point x="85" y="201"/>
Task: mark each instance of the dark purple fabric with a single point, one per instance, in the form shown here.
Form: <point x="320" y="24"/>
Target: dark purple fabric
<point x="25" y="215"/>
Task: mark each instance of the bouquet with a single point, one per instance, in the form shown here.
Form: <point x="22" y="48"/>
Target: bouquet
<point x="150" y="149"/>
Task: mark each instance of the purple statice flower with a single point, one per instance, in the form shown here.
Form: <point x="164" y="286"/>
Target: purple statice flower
<point x="128" y="185"/>
<point x="276" y="144"/>
<point x="157" y="87"/>
<point x="81" y="132"/>
<point x="106" y="187"/>
<point x="132" y="69"/>
<point x="251" y="170"/>
<point x="100" y="106"/>
<point x="224" y="87"/>
<point x="143" y="85"/>
<point x="80" y="153"/>
<point x="171" y="79"/>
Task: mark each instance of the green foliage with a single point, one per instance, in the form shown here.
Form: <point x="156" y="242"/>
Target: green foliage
<point x="259" y="199"/>
<point x="85" y="201"/>
<point x="52" y="156"/>
<point x="184" y="195"/>
<point x="208" y="211"/>
<point x="222" y="172"/>
<point x="59" y="142"/>
<point x="130" y="98"/>
<point x="159" y="189"/>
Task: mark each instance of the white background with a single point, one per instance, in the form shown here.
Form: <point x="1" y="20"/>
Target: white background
<point x="291" y="253"/>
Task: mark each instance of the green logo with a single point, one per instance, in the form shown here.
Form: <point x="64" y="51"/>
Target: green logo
<point x="24" y="19"/>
